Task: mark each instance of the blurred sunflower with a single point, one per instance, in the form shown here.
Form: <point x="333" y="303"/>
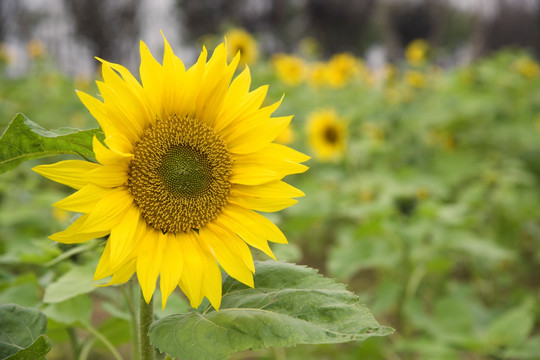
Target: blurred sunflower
<point x="341" y="68"/>
<point x="416" y="52"/>
<point x="527" y="67"/>
<point x="317" y="74"/>
<point x="327" y="134"/>
<point x="239" y="40"/>
<point x="35" y="48"/>
<point x="289" y="69"/>
<point x="286" y="137"/>
<point x="415" y="79"/>
<point x="188" y="157"/>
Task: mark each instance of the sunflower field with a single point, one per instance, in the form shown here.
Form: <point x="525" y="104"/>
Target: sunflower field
<point x="422" y="197"/>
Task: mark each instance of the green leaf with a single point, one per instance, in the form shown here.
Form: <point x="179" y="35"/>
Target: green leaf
<point x="20" y="329"/>
<point x="513" y="327"/>
<point x="289" y="305"/>
<point x="25" y="140"/>
<point x="36" y="351"/>
<point x="78" y="280"/>
<point x="74" y="310"/>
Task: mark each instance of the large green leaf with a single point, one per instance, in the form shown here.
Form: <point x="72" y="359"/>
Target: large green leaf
<point x="78" y="280"/>
<point x="36" y="351"/>
<point x="21" y="331"/>
<point x="289" y="305"/>
<point x="25" y="140"/>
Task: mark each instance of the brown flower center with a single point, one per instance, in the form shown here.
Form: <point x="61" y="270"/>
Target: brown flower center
<point x="180" y="174"/>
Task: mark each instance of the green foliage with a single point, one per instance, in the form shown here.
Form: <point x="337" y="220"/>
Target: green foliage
<point x="25" y="140"/>
<point x="289" y="305"/>
<point x="22" y="333"/>
<point x="78" y="280"/>
<point x="431" y="217"/>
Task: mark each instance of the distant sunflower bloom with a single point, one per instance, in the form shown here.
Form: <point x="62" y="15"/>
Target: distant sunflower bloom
<point x="318" y="74"/>
<point x="240" y="41"/>
<point x="416" y="79"/>
<point x="327" y="134"/>
<point x="527" y="67"/>
<point x="416" y="52"/>
<point x="35" y="48"/>
<point x="341" y="68"/>
<point x="188" y="157"/>
<point x="289" y="69"/>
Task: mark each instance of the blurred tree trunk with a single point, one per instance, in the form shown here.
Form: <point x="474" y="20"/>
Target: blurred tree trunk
<point x="514" y="24"/>
<point x="109" y="27"/>
<point x="340" y="25"/>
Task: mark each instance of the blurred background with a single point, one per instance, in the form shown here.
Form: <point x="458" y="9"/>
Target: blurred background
<point x="422" y="118"/>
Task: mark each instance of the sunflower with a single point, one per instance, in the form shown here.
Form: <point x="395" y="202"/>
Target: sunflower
<point x="341" y="68"/>
<point x="416" y="52"/>
<point x="188" y="158"/>
<point x="327" y="134"/>
<point x="241" y="41"/>
<point x="290" y="69"/>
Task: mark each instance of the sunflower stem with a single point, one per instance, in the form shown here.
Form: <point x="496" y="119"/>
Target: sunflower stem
<point x="146" y="316"/>
<point x="129" y="296"/>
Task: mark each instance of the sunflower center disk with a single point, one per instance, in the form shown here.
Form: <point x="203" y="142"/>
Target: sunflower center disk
<point x="180" y="174"/>
<point x="185" y="172"/>
<point x="331" y="134"/>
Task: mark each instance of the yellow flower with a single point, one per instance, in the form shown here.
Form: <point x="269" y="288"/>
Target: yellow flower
<point x="415" y="79"/>
<point x="241" y="41"/>
<point x="187" y="161"/>
<point x="317" y="74"/>
<point x="35" y="48"/>
<point x="341" y="68"/>
<point x="416" y="52"/>
<point x="289" y="69"/>
<point x="527" y="67"/>
<point x="286" y="137"/>
<point x="327" y="134"/>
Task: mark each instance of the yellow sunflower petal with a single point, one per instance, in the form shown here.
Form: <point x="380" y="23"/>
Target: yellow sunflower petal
<point x="108" y="212"/>
<point x="192" y="83"/>
<point x="125" y="236"/>
<point x="239" y="89"/>
<point x="152" y="80"/>
<point x="76" y="233"/>
<point x="73" y="173"/>
<point x="239" y="106"/>
<point x="211" y="284"/>
<point x="261" y="132"/>
<point x="271" y="163"/>
<point x="194" y="268"/>
<point x="114" y="138"/>
<point x="174" y="90"/>
<point x="107" y="156"/>
<point x="110" y="175"/>
<point x="258" y="223"/>
<point x="216" y="82"/>
<point x="172" y="266"/>
<point x="84" y="200"/>
<point x="103" y="268"/>
<point x="274" y="190"/>
<point x="228" y="220"/>
<point x="149" y="260"/>
<point x="122" y="104"/>
<point x="124" y="273"/>
<point x="222" y="245"/>
<point x="261" y="204"/>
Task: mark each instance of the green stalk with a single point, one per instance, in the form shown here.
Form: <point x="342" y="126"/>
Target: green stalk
<point x="146" y="316"/>
<point x="127" y="291"/>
